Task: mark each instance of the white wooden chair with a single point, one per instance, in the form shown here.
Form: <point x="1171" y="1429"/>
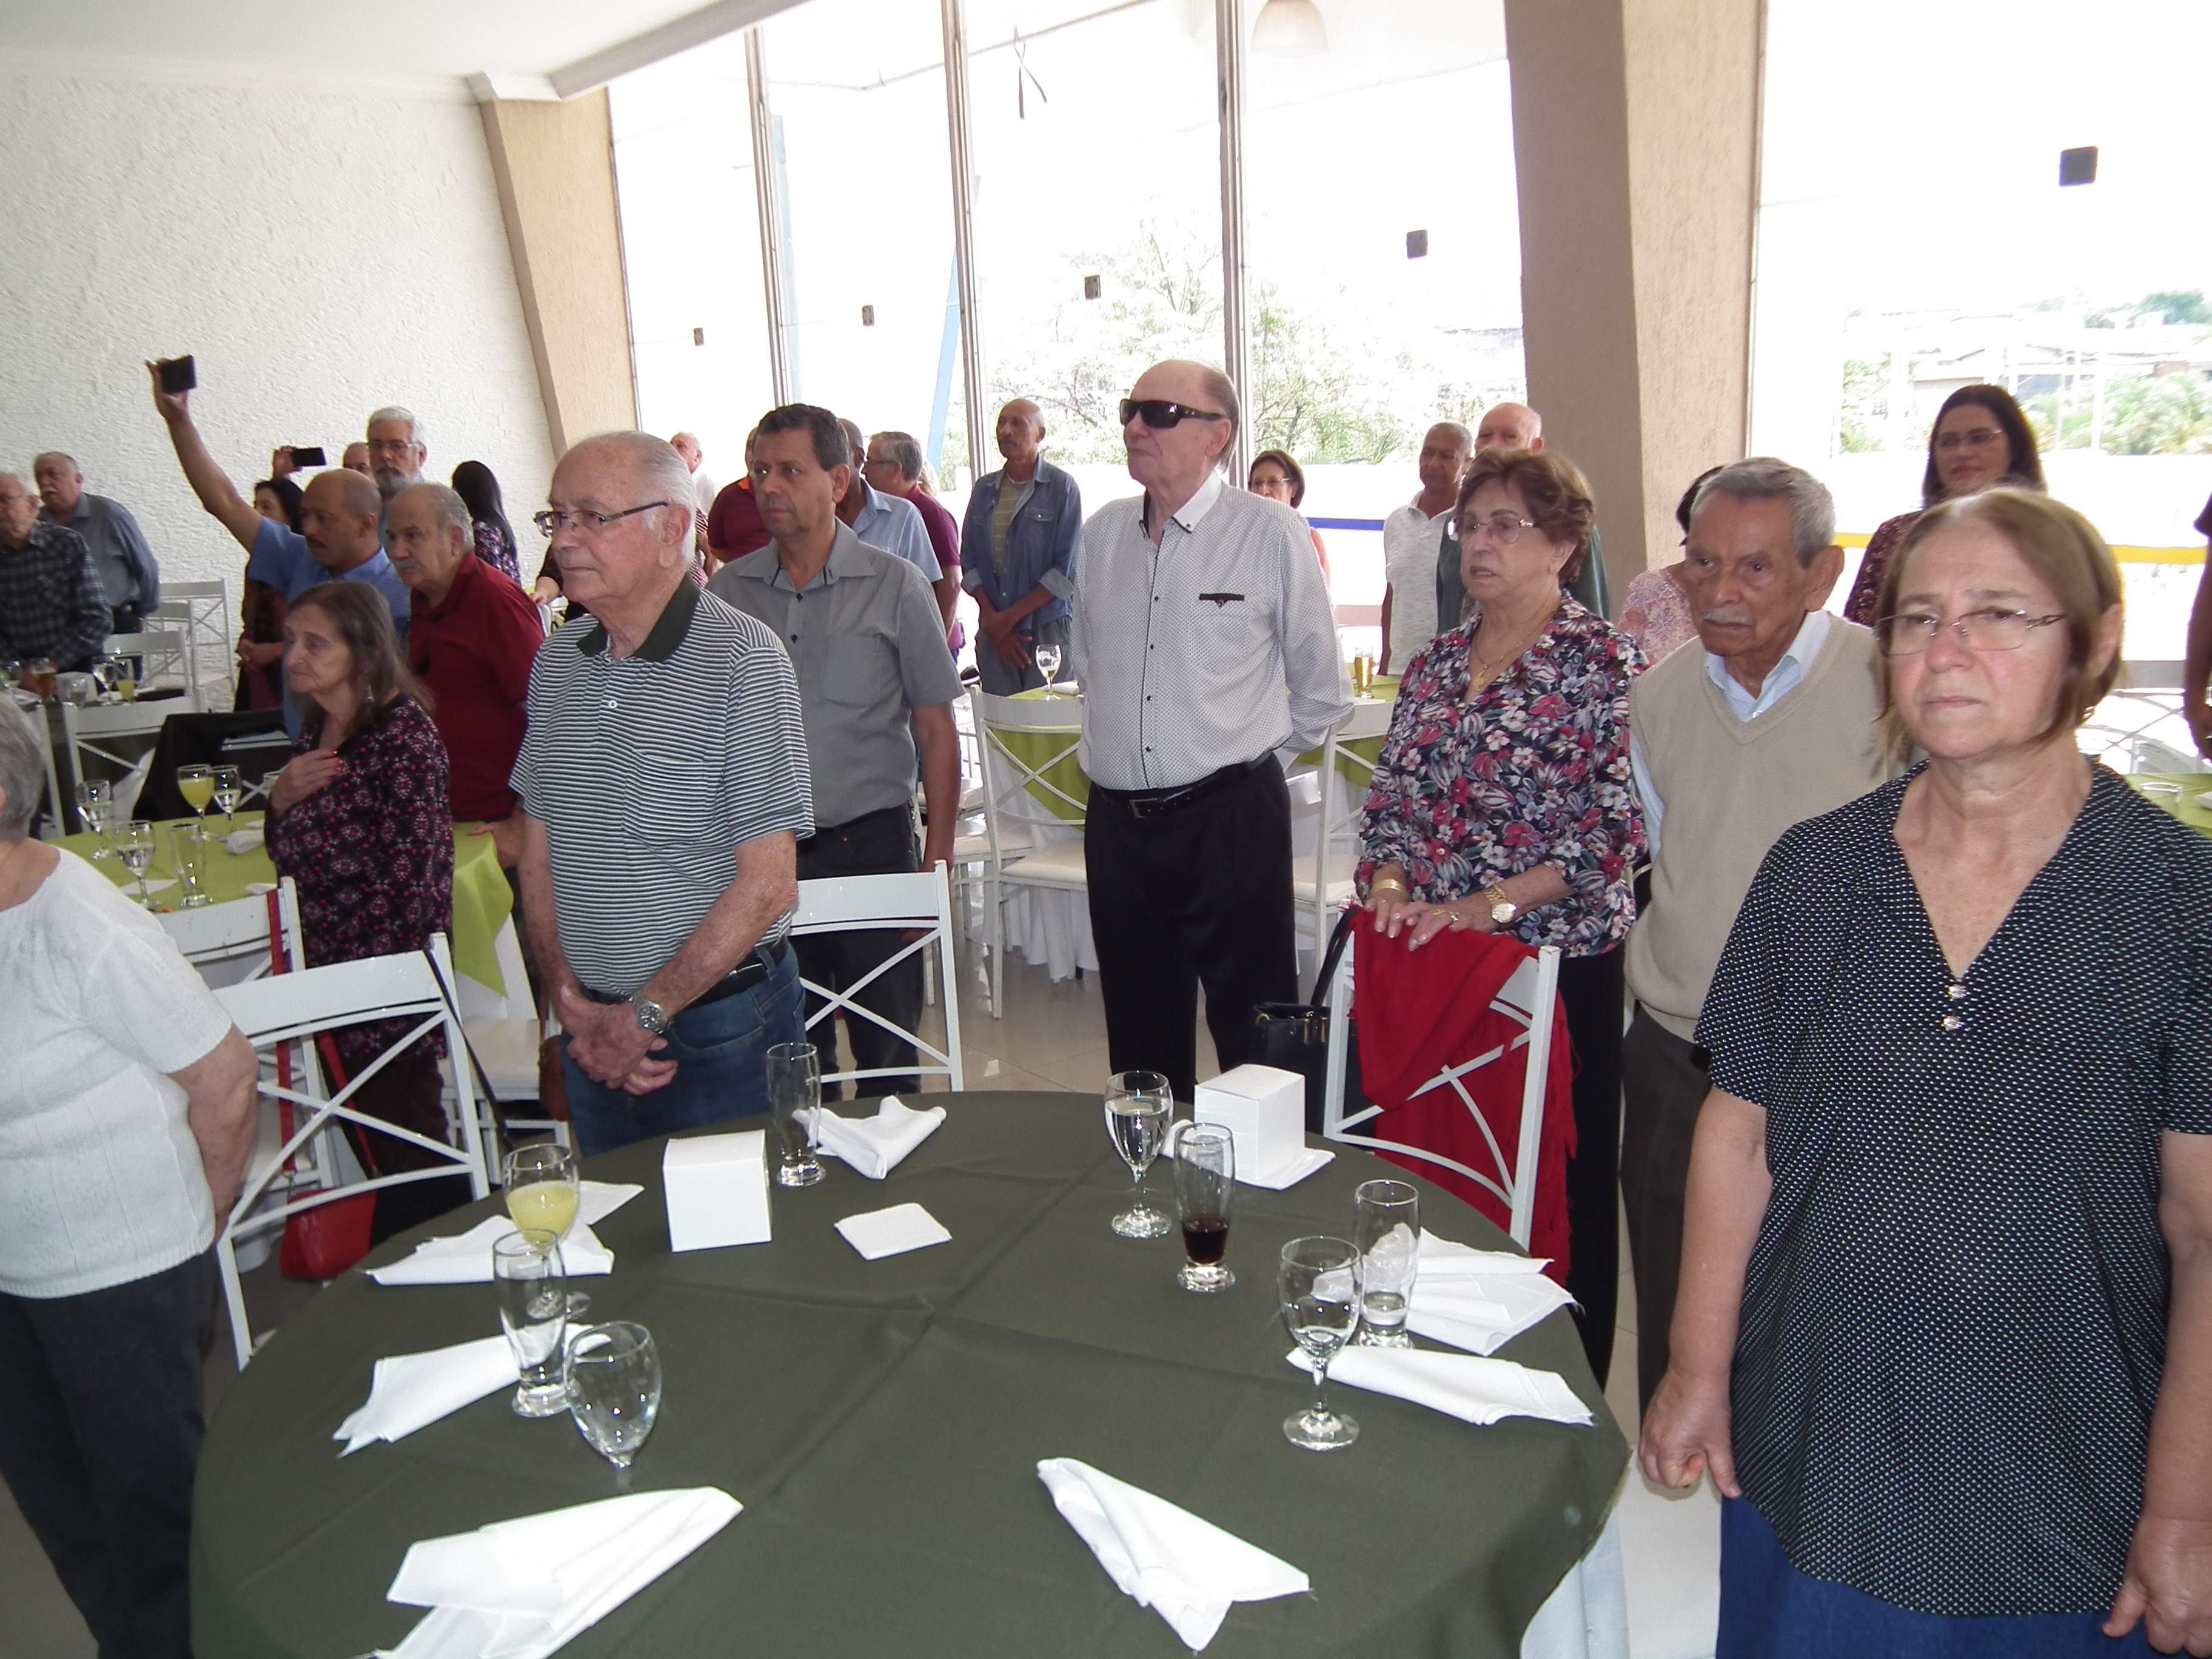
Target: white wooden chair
<point x="1322" y="882"/>
<point x="847" y="904"/>
<point x="1528" y="998"/>
<point x="1032" y="827"/>
<point x="291" y="1008"/>
<point x="163" y="654"/>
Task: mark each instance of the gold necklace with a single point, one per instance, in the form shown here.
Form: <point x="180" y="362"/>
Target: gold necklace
<point x="1486" y="670"/>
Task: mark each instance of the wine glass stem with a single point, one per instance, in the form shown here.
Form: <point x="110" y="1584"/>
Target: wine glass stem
<point x="1321" y="1388"/>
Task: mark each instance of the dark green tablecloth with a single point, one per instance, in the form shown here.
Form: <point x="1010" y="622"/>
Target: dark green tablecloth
<point x="882" y="1421"/>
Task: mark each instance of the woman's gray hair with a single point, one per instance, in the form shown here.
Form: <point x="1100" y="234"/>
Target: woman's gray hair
<point x="23" y="772"/>
<point x="394" y="412"/>
<point x="1763" y="478"/>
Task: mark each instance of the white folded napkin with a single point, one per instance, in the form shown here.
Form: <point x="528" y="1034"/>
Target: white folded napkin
<point x="1441" y="1259"/>
<point x="410" y="1390"/>
<point x="242" y="841"/>
<point x="598" y="1200"/>
<point x="1479" y="1300"/>
<point x="904" y="1227"/>
<point x="1289" y="1173"/>
<point x="1185" y="1570"/>
<point x="466" y="1259"/>
<point x="1473" y="1390"/>
<point x="519" y="1588"/>
<point x="875" y="1146"/>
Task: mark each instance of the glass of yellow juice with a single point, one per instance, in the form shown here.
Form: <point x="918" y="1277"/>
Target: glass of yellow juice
<point x="195" y="783"/>
<point x="542" y="1185"/>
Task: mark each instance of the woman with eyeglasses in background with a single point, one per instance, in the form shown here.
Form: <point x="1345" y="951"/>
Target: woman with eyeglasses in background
<point x="1980" y="439"/>
<point x="1276" y="476"/>
<point x="1503" y="802"/>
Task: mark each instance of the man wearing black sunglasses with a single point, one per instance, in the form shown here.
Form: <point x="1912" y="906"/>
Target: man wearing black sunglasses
<point x="1206" y="646"/>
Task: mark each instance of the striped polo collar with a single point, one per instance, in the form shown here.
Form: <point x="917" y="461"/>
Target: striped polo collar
<point x="667" y="634"/>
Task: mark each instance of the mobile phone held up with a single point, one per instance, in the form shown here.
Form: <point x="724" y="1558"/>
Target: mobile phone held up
<point x="309" y="455"/>
<point x="178" y="375"/>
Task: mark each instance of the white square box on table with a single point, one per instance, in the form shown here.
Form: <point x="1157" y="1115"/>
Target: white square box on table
<point x="717" y="1190"/>
<point x="1264" y="1109"/>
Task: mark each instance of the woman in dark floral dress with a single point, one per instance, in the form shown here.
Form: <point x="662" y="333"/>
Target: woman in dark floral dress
<point x="1504" y="801"/>
<point x="361" y="820"/>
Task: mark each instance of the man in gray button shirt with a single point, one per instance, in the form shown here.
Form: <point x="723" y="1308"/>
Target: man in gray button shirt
<point x="128" y="571"/>
<point x="876" y="688"/>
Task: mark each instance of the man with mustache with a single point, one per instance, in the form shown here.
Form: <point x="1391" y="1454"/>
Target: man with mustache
<point x="339" y="539"/>
<point x="1775" y="720"/>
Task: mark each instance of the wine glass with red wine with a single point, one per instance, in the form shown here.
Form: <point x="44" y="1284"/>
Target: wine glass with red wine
<point x="1205" y="1184"/>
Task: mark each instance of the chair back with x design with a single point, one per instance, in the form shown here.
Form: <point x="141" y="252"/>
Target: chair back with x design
<point x="916" y="900"/>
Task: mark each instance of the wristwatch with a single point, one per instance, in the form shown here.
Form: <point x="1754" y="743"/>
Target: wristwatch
<point x="652" y="1018"/>
<point x="1504" y="912"/>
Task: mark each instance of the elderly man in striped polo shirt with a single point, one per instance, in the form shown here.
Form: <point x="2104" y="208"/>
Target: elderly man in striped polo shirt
<point x="665" y="787"/>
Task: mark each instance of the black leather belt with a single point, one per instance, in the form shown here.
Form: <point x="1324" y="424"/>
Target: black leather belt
<point x="1158" y="803"/>
<point x="882" y="815"/>
<point x="742" y="977"/>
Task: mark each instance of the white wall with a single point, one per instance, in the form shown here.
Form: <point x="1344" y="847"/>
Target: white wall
<point x="321" y="250"/>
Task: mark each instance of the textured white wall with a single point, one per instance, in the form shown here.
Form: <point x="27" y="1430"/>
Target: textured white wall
<point x="321" y="251"/>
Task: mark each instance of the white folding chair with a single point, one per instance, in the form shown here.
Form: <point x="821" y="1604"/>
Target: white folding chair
<point x="231" y="940"/>
<point x="97" y="731"/>
<point x="201" y="610"/>
<point x="1528" y="998"/>
<point x="291" y="1008"/>
<point x="1032" y="826"/>
<point x="1323" y="884"/>
<point x="161" y="654"/>
<point x="845" y="904"/>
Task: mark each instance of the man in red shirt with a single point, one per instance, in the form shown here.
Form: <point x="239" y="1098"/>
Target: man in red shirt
<point x="471" y="639"/>
<point x="894" y="467"/>
<point x="734" y="523"/>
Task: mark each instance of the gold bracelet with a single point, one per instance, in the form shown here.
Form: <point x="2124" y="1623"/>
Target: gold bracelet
<point x="1390" y="885"/>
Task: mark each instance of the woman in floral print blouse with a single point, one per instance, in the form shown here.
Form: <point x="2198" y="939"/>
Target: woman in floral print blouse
<point x="361" y="820"/>
<point x="1503" y="801"/>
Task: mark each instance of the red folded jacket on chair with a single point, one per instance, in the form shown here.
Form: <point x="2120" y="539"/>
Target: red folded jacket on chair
<point x="1443" y="1062"/>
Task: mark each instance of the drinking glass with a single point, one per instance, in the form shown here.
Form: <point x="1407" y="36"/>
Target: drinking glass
<point x="1205" y="1184"/>
<point x="1319" y="1279"/>
<point x="794" y="1092"/>
<point x="533" y="1311"/>
<point x="189" y="844"/>
<point x="1048" y="662"/>
<point x="195" y="783"/>
<point x="134" y="845"/>
<point x="1139" y="1106"/>
<point x="229" y="790"/>
<point x="95" y="805"/>
<point x="1388" y="1230"/>
<point x="542" y="1186"/>
<point x="614" y="1388"/>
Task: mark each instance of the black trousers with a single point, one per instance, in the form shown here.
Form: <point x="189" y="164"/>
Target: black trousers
<point x="877" y="844"/>
<point x="1590" y="990"/>
<point x="99" y="1431"/>
<point x="1667" y="1081"/>
<point x="1200" y="895"/>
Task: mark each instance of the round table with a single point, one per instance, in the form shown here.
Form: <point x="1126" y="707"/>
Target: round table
<point x="882" y="1422"/>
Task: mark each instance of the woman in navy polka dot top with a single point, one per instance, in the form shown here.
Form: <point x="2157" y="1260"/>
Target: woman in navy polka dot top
<point x="1945" y="1332"/>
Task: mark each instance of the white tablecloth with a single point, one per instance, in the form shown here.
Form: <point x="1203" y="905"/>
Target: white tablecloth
<point x="1587" y="1617"/>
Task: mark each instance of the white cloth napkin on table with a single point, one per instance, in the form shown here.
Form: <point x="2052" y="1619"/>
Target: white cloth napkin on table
<point x="519" y="1588"/>
<point x="1473" y="1390"/>
<point x="1300" y="1164"/>
<point x="1479" y="1300"/>
<point x="876" y="1145"/>
<point x="1185" y="1570"/>
<point x="242" y="842"/>
<point x="466" y="1259"/>
<point x="904" y="1227"/>
<point x="409" y="1391"/>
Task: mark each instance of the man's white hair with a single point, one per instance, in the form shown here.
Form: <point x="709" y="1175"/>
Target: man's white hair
<point x="452" y="513"/>
<point x="394" y="412"/>
<point x="661" y="474"/>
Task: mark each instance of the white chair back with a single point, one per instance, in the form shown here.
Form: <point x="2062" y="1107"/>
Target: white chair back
<point x="1032" y="825"/>
<point x="1527" y="999"/>
<point x="292" y="1008"/>
<point x="1325" y="885"/>
<point x="235" y="934"/>
<point x="849" y="903"/>
<point x="201" y="611"/>
<point x="96" y="731"/>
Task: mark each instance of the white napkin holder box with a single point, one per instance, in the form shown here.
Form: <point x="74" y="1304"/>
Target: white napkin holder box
<point x="717" y="1190"/>
<point x="1264" y="1109"/>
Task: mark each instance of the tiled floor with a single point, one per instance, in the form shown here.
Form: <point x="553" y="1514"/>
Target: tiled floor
<point x="1052" y="1036"/>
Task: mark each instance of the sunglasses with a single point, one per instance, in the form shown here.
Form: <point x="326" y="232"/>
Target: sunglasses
<point x="1159" y="414"/>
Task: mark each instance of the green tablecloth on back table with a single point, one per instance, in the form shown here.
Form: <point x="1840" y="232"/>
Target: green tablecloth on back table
<point x="2184" y="805"/>
<point x="882" y="1423"/>
<point x="482" y="899"/>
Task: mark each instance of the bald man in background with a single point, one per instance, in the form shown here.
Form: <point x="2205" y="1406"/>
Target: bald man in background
<point x="1018" y="548"/>
<point x="1514" y="425"/>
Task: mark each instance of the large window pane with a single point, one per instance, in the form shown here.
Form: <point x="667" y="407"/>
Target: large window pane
<point x="684" y="167"/>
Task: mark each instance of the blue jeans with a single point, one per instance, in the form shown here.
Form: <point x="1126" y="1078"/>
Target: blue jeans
<point x="721" y="1050"/>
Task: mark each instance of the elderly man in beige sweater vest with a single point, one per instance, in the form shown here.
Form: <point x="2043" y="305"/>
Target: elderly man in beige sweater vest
<point x="1777" y="719"/>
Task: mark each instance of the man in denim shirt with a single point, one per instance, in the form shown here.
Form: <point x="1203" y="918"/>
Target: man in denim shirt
<point x="1018" y="553"/>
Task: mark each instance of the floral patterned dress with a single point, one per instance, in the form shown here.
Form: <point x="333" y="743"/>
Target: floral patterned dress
<point x="1864" y="606"/>
<point x="372" y="853"/>
<point x="496" y="549"/>
<point x="1655" y="612"/>
<point x="1535" y="771"/>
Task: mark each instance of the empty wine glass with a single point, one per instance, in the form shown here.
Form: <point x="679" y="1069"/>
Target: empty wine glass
<point x="195" y="783"/>
<point x="1205" y="1184"/>
<point x="229" y="790"/>
<point x="1319" y="1279"/>
<point x="1048" y="662"/>
<point x="134" y="845"/>
<point x="95" y="805"/>
<point x="614" y="1388"/>
<point x="794" y="1094"/>
<point x="1139" y="1106"/>
<point x="533" y="1311"/>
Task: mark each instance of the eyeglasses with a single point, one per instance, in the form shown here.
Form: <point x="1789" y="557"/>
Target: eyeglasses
<point x="1910" y="632"/>
<point x="1980" y="438"/>
<point x="1503" y="529"/>
<point x="390" y="446"/>
<point x="583" y="520"/>
<point x="1160" y="415"/>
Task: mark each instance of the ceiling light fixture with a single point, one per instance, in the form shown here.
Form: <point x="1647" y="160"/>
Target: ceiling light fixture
<point x="1289" y="29"/>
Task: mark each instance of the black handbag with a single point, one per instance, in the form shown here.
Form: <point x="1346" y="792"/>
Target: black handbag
<point x="1293" y="1037"/>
